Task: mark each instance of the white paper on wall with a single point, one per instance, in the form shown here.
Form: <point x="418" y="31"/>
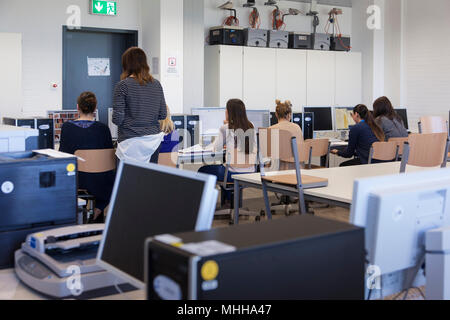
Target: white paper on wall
<point x="99" y="67"/>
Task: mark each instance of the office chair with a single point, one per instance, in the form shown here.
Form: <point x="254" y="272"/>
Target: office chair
<point x="384" y="151"/>
<point x="432" y="124"/>
<point x="94" y="161"/>
<point x="319" y="148"/>
<point x="169" y="159"/>
<point x="400" y="142"/>
<point x="236" y="159"/>
<point x="425" y="150"/>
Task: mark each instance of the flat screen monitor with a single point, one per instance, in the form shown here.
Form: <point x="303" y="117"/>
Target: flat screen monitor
<point x="403" y="113"/>
<point x="273" y="119"/>
<point x="323" y="118"/>
<point x="150" y="200"/>
<point x="259" y="118"/>
<point x="343" y="118"/>
<point x="396" y="212"/>
<point x="211" y="119"/>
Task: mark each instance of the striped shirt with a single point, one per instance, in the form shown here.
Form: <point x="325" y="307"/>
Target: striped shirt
<point x="138" y="109"/>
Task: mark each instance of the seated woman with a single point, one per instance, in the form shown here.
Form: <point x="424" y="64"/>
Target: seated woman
<point x="171" y="138"/>
<point x="284" y="116"/>
<point x="386" y="117"/>
<point x="362" y="136"/>
<point x="87" y="134"/>
<point x="237" y="133"/>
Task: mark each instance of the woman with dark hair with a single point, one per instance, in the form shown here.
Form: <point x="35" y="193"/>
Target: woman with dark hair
<point x="237" y="133"/>
<point x="88" y="134"/>
<point x="386" y="117"/>
<point x="139" y="105"/>
<point x="362" y="136"/>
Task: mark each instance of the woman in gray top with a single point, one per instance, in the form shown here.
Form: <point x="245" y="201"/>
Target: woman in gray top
<point x="388" y="119"/>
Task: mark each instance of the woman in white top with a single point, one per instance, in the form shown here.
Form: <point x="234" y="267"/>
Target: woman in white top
<point x="239" y="136"/>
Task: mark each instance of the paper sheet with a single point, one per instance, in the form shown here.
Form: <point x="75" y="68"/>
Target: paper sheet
<point x="99" y="67"/>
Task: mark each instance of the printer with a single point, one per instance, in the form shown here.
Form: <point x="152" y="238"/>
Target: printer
<point x="37" y="192"/>
<point x="61" y="263"/>
<point x="43" y="125"/>
<point x="14" y="139"/>
<point x="226" y="35"/>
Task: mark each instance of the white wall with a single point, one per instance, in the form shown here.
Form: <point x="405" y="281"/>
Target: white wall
<point x="40" y="23"/>
<point x="426" y="59"/>
<point x="11" y="66"/>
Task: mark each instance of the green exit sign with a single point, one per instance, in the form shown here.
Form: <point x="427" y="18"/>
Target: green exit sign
<point x="104" y="8"/>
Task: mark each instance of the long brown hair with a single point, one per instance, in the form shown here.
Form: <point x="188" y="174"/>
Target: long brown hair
<point x="382" y="107"/>
<point x="367" y="116"/>
<point x="134" y="63"/>
<point x="238" y="120"/>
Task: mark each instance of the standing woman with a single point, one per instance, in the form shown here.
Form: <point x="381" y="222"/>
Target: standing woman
<point x="139" y="105"/>
<point x="362" y="136"/>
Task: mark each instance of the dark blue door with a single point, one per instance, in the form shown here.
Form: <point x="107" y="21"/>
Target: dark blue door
<point x="102" y="49"/>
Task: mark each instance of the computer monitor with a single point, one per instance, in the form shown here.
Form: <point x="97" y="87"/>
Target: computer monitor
<point x="343" y="118"/>
<point x="323" y="118"/>
<point x="396" y="212"/>
<point x="259" y="118"/>
<point x="273" y="119"/>
<point x="403" y="113"/>
<point x="211" y="119"/>
<point x="148" y="200"/>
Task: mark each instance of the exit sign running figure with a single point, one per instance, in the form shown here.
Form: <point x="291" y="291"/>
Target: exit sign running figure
<point x="104" y="8"/>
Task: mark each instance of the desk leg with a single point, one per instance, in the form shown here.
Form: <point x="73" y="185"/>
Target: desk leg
<point x="266" y="200"/>
<point x="237" y="200"/>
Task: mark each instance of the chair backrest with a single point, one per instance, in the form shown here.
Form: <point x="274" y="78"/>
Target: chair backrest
<point x="96" y="161"/>
<point x="276" y="144"/>
<point x="400" y="143"/>
<point x="320" y="147"/>
<point x="427" y="150"/>
<point x="432" y="124"/>
<point x="168" y="159"/>
<point x="383" y="151"/>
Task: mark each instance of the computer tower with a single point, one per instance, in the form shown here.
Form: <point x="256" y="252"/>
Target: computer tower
<point x="37" y="192"/>
<point x="278" y="39"/>
<point x="179" y="122"/>
<point x="297" y="118"/>
<point x="301" y="257"/>
<point x="340" y="43"/>
<point x="300" y="40"/>
<point x="43" y="125"/>
<point x="193" y="129"/>
<point x="255" y="37"/>
<point x="308" y="125"/>
<point x="226" y="35"/>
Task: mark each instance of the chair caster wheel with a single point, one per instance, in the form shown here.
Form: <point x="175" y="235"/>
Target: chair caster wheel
<point x="257" y="219"/>
<point x="231" y="223"/>
<point x="262" y="213"/>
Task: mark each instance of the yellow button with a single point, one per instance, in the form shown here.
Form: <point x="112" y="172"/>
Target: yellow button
<point x="70" y="167"/>
<point x="210" y="270"/>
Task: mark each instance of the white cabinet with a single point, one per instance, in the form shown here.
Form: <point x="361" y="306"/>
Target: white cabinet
<point x="291" y="78"/>
<point x="259" y="78"/>
<point x="348" y="79"/>
<point x="223" y="75"/>
<point x="320" y="78"/>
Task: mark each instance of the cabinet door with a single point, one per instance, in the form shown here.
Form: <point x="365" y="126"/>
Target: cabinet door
<point x="259" y="78"/>
<point x="230" y="74"/>
<point x="291" y="78"/>
<point x="348" y="79"/>
<point x="320" y="78"/>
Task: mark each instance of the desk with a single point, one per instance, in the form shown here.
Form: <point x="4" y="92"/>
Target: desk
<point x="339" y="191"/>
<point x="201" y="158"/>
<point x="12" y="289"/>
